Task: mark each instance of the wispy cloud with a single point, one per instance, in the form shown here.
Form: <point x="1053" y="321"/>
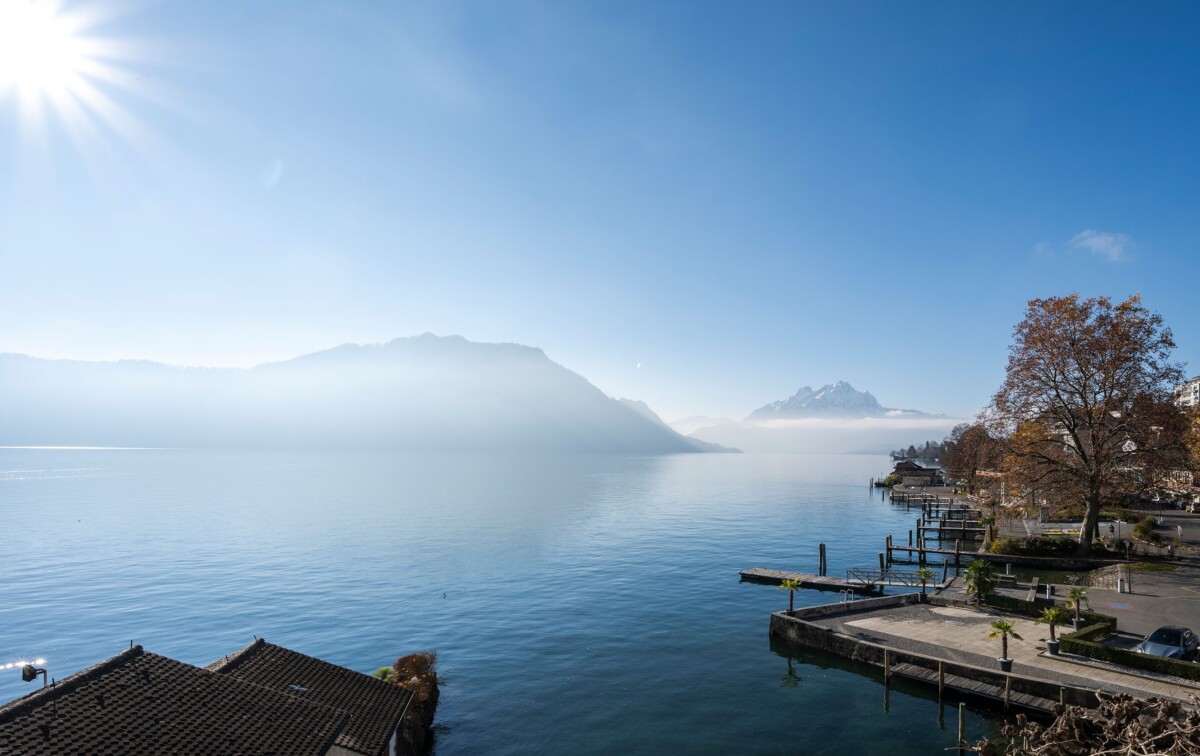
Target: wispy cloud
<point x="1111" y="246"/>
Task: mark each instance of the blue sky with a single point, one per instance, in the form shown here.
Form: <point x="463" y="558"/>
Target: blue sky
<point x="701" y="205"/>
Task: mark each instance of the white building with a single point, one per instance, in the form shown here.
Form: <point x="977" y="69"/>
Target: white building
<point x="1187" y="394"/>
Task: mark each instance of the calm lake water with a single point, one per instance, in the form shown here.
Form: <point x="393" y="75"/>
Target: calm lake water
<point x="578" y="604"/>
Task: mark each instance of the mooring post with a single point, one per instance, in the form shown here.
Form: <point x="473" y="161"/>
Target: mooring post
<point x="957" y="555"/>
<point x="821" y="562"/>
<point x="910" y="538"/>
<point x="882" y="566"/>
<point x="941" y="679"/>
<point x="945" y="570"/>
<point x="1062" y="696"/>
<point x="962" y="725"/>
<point x="887" y="663"/>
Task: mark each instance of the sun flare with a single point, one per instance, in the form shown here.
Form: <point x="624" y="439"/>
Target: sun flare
<point x="40" y="51"/>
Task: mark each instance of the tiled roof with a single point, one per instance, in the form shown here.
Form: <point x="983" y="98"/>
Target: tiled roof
<point x="137" y="702"/>
<point x="375" y="707"/>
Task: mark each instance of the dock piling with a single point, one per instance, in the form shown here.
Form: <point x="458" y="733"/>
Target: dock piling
<point x="821" y="562"/>
<point x="962" y="726"/>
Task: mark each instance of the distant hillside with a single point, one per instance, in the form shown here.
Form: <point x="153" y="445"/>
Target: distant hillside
<point x="420" y="393"/>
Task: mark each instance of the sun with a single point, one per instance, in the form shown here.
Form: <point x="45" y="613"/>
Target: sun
<point x="41" y="52"/>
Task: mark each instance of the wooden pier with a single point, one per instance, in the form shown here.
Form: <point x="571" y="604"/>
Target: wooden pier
<point x="863" y="582"/>
<point x="965" y="686"/>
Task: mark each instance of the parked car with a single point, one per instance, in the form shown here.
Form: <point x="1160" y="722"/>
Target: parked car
<point x="1171" y="643"/>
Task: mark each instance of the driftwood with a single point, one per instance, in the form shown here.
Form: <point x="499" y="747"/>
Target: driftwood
<point x="1122" y="725"/>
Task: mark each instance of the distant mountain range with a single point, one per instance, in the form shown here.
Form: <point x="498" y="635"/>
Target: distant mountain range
<point x="422" y="393"/>
<point x="831" y="400"/>
<point x="835" y="418"/>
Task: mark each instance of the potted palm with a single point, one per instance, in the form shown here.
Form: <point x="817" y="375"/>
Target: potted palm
<point x="1077" y="602"/>
<point x="924" y="574"/>
<point x="791" y="586"/>
<point x="1002" y="629"/>
<point x="1053" y="617"/>
<point x="980" y="579"/>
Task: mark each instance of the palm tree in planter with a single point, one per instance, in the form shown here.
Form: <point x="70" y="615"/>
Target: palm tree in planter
<point x="791" y="586"/>
<point x="1002" y="629"/>
<point x="924" y="574"/>
<point x="1077" y="602"/>
<point x="1053" y="617"/>
<point x="980" y="579"/>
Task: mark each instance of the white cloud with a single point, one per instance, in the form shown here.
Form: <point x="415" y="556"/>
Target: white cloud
<point x="1113" y="247"/>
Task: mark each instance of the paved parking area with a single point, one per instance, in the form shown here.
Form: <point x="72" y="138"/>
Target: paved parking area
<point x="960" y="634"/>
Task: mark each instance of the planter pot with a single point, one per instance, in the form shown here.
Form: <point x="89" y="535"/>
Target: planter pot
<point x="1052" y="647"/>
<point x="1005" y="665"/>
<point x="1078" y="624"/>
<point x="924" y="597"/>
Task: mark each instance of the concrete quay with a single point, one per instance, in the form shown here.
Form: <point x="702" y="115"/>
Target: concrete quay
<point x="937" y="641"/>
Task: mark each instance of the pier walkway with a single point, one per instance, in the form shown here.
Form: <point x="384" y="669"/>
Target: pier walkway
<point x="857" y="580"/>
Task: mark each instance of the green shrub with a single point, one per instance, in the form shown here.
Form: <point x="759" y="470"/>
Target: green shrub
<point x="1033" y="609"/>
<point x="892" y="480"/>
<point x="1144" y="530"/>
<point x="1083" y="643"/>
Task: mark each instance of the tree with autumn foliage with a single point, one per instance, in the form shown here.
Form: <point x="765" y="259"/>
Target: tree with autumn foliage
<point x="1086" y="409"/>
<point x="970" y="449"/>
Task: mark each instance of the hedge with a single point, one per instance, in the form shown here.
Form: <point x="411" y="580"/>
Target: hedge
<point x="1035" y="609"/>
<point x="1083" y="644"/>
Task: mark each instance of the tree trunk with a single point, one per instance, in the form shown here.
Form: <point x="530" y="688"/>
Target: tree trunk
<point x="1004" y="646"/>
<point x="1091" y="520"/>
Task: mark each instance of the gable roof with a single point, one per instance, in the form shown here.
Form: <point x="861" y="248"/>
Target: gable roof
<point x="375" y="707"/>
<point x="137" y="702"/>
<point x="912" y="468"/>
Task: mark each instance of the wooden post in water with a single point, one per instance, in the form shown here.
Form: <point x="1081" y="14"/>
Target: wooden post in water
<point x="1062" y="696"/>
<point x="957" y="555"/>
<point x="910" y="538"/>
<point x="882" y="566"/>
<point x="941" y="679"/>
<point x="887" y="664"/>
<point x="821" y="562"/>
<point x="945" y="569"/>
<point x="1007" y="690"/>
<point x="962" y="725"/>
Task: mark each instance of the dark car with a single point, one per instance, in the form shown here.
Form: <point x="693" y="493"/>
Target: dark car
<point x="1171" y="643"/>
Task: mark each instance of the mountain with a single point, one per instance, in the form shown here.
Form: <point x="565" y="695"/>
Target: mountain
<point x="425" y="393"/>
<point x="833" y="418"/>
<point x="831" y="400"/>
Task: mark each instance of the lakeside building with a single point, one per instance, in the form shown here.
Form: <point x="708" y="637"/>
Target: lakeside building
<point x="140" y="702"/>
<point x="912" y="474"/>
<point x="1187" y="394"/>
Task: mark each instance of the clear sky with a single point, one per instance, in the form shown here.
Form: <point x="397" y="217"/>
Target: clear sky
<point x="701" y="205"/>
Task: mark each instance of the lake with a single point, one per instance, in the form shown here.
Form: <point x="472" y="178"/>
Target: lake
<point x="579" y="604"/>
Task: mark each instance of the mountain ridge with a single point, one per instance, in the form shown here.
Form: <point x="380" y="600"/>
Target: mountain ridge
<point x="424" y="393"/>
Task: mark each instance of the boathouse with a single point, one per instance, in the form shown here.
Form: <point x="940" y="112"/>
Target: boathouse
<point x="912" y="474"/>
